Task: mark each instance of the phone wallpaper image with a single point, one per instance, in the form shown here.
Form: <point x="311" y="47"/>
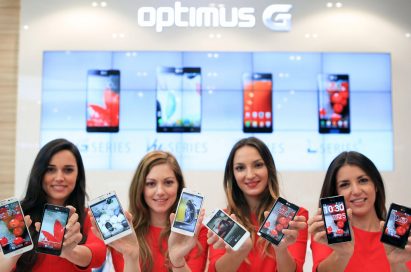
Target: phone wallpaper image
<point x="103" y="98"/>
<point x="257" y="102"/>
<point x="334" y="103"/>
<point x="278" y="220"/>
<point x="187" y="213"/>
<point x="336" y="220"/>
<point x="52" y="229"/>
<point x="178" y="99"/>
<point x="13" y="233"/>
<point x="398" y="224"/>
<point x="109" y="217"/>
<point x="226" y="228"/>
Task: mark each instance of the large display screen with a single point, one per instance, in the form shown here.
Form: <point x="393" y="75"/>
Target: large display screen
<point x="198" y="104"/>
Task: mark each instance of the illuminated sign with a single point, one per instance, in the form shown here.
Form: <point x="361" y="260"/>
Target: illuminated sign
<point x="275" y="17"/>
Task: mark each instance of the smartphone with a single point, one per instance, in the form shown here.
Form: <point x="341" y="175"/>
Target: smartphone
<point x="15" y="237"/>
<point x="226" y="228"/>
<point x="397" y="226"/>
<point x="187" y="212"/>
<point x="178" y="98"/>
<point x="278" y="219"/>
<point x="110" y="218"/>
<point x="103" y="100"/>
<point x="257" y="102"/>
<point x="53" y="228"/>
<point x="335" y="219"/>
<point x="334" y="103"/>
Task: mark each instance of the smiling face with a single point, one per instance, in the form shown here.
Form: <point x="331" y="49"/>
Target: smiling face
<point x="357" y="188"/>
<point x="160" y="190"/>
<point x="60" y="177"/>
<point x="250" y="172"/>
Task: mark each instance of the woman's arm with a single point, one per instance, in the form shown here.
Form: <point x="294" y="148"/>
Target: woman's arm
<point x="338" y="260"/>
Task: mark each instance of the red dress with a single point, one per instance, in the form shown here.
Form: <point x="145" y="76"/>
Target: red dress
<point x="369" y="253"/>
<point x="257" y="261"/>
<point x="46" y="262"/>
<point x="195" y="260"/>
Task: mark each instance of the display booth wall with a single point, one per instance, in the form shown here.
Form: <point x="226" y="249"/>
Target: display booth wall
<point x="366" y="26"/>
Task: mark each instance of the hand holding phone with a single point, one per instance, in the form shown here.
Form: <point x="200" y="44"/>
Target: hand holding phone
<point x="397" y="226"/>
<point x="187" y="212"/>
<point x="15" y="237"/>
<point x="277" y="220"/>
<point x="53" y="228"/>
<point x="232" y="233"/>
<point x="335" y="219"/>
<point x="110" y="218"/>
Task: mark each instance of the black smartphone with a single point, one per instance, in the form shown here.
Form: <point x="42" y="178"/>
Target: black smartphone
<point x="335" y="219"/>
<point x="257" y="102"/>
<point x="333" y="103"/>
<point x="278" y="219"/>
<point x="103" y="100"/>
<point x="397" y="226"/>
<point x="53" y="228"/>
<point x="178" y="98"/>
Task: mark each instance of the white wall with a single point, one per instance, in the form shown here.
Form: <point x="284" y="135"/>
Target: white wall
<point x="359" y="26"/>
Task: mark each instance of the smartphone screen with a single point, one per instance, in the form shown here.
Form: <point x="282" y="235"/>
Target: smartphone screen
<point x="226" y="228"/>
<point x="333" y="103"/>
<point x="53" y="227"/>
<point x="278" y="219"/>
<point x="257" y="100"/>
<point x="178" y="99"/>
<point x="14" y="235"/>
<point x="109" y="217"/>
<point x="397" y="226"/>
<point x="103" y="100"/>
<point x="335" y="219"/>
<point x="187" y="213"/>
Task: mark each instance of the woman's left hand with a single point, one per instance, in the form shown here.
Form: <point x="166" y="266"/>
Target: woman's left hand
<point x="395" y="255"/>
<point x="180" y="245"/>
<point x="291" y="234"/>
<point x="73" y="235"/>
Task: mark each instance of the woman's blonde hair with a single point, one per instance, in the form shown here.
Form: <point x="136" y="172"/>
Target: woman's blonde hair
<point x="139" y="208"/>
<point x="237" y="203"/>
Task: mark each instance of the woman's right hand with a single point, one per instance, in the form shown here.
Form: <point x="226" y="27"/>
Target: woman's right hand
<point x="318" y="232"/>
<point x="218" y="243"/>
<point x="128" y="245"/>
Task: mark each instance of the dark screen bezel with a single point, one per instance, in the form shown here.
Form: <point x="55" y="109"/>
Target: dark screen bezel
<point x="400" y="243"/>
<point x="103" y="73"/>
<point x="330" y="200"/>
<point x="49" y="250"/>
<point x="286" y="203"/>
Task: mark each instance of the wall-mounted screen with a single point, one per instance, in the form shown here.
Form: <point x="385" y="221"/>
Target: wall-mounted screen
<point x="307" y="107"/>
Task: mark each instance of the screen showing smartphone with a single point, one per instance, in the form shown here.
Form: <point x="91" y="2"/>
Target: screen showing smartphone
<point x="334" y="103"/>
<point x="53" y="227"/>
<point x="14" y="236"/>
<point x="335" y="219"/>
<point x="278" y="219"/>
<point x="397" y="226"/>
<point x="188" y="209"/>
<point x="257" y="102"/>
<point x="226" y="228"/>
<point x="178" y="99"/>
<point x="103" y="100"/>
<point x="109" y="216"/>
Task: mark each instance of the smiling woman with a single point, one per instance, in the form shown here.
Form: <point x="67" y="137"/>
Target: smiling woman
<point x="58" y="177"/>
<point x="355" y="177"/>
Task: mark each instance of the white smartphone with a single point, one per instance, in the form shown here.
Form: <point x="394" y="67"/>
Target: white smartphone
<point x="15" y="238"/>
<point x="110" y="218"/>
<point x="187" y="212"/>
<point x="226" y="228"/>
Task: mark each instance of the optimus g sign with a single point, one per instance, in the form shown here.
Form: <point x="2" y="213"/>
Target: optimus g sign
<point x="276" y="17"/>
